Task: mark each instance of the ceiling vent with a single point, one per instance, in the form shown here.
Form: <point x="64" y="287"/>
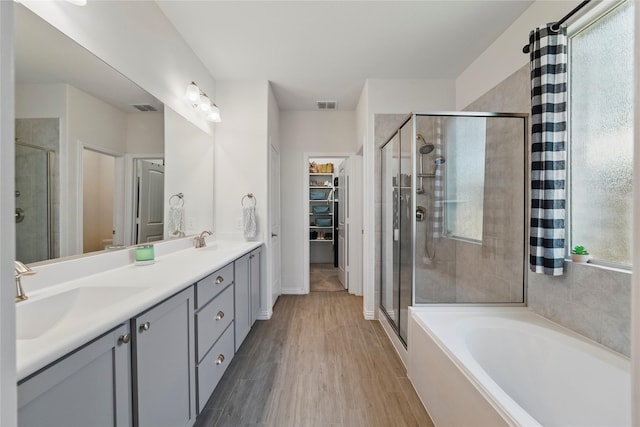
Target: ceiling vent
<point x="144" y="107"/>
<point x="326" y="105"/>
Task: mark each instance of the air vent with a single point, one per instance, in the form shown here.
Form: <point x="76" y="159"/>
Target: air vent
<point x="144" y="107"/>
<point x="326" y="105"/>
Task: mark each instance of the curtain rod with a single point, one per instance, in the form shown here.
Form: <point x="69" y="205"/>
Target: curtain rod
<point x="556" y="25"/>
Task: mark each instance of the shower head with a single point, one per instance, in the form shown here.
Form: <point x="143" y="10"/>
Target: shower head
<point x="439" y="160"/>
<point x="426" y="147"/>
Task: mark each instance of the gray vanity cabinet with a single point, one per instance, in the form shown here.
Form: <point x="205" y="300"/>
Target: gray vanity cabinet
<point x="243" y="298"/>
<point x="163" y="363"/>
<point x="256" y="273"/>
<point x="247" y="281"/>
<point x="214" y="330"/>
<point x="89" y="387"/>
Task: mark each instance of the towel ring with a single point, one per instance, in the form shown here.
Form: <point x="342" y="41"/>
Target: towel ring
<point x="251" y="197"/>
<point x="179" y="202"/>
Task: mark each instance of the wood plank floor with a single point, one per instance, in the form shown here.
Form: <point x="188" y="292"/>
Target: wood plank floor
<point x="324" y="277"/>
<point x="317" y="362"/>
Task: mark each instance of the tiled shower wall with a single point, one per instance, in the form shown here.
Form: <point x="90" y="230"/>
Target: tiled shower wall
<point x="45" y="133"/>
<point x="591" y="300"/>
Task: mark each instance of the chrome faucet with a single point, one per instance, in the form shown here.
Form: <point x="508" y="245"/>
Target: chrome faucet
<point x="200" y="242"/>
<point x="21" y="270"/>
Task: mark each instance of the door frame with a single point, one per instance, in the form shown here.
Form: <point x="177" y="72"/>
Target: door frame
<point x="304" y="232"/>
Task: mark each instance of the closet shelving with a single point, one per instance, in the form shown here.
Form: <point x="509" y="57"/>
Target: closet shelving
<point x="321" y="196"/>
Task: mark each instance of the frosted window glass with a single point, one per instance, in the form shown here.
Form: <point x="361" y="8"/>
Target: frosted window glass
<point x="601" y="136"/>
<point x="465" y="142"/>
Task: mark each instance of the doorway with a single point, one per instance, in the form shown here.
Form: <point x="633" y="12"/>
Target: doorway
<point x="98" y="189"/>
<point x="328" y="224"/>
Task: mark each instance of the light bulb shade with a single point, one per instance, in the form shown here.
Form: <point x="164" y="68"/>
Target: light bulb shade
<point x="214" y="114"/>
<point x="205" y="104"/>
<point x="193" y="93"/>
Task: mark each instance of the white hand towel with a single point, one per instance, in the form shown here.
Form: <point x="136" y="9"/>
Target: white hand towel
<point x="249" y="219"/>
<point x="176" y="221"/>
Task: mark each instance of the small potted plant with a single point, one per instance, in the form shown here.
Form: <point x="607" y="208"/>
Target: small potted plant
<point x="580" y="254"/>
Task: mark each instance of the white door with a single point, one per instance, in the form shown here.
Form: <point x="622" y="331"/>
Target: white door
<point x="274" y="201"/>
<point x="343" y="223"/>
<point x="150" y="202"/>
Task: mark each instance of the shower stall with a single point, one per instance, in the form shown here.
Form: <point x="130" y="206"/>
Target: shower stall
<point x="452" y="212"/>
<point x="37" y="175"/>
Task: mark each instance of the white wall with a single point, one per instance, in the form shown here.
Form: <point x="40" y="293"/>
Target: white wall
<point x="145" y="133"/>
<point x="635" y="278"/>
<point x="504" y="56"/>
<point x="8" y="389"/>
<point x="242" y="153"/>
<point x="189" y="160"/>
<point x="389" y="97"/>
<point x="315" y="133"/>
<point x="274" y="254"/>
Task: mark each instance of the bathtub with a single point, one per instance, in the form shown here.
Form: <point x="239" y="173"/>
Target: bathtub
<point x="494" y="366"/>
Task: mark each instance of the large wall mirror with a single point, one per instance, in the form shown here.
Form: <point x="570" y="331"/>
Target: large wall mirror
<point x="87" y="138"/>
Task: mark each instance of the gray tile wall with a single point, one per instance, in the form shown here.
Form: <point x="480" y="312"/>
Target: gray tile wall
<point x="45" y="133"/>
<point x="593" y="301"/>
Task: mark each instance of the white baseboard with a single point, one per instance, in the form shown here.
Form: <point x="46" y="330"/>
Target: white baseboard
<point x="369" y="314"/>
<point x="294" y="292"/>
<point x="397" y="344"/>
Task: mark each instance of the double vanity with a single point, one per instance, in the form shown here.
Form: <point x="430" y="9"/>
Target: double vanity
<point x="136" y="345"/>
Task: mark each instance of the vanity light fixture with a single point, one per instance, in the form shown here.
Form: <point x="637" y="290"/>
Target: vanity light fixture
<point x="200" y="101"/>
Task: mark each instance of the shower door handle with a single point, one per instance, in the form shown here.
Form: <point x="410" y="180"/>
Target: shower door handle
<point x="19" y="215"/>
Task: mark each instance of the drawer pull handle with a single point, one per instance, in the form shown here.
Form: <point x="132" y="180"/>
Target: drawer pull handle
<point x="220" y="359"/>
<point x="124" y="339"/>
<point x="220" y="315"/>
<point x="145" y="327"/>
<point x="219" y="280"/>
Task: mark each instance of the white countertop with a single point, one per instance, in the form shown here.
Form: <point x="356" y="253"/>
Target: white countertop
<point x="169" y="274"/>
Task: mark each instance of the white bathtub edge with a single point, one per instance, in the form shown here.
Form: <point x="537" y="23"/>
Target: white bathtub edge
<point x="463" y="370"/>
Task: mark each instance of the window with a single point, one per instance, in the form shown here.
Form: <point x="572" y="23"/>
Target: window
<point x="601" y="135"/>
<point x="465" y="138"/>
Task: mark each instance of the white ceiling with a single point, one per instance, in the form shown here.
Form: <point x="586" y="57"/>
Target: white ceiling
<point x="325" y="50"/>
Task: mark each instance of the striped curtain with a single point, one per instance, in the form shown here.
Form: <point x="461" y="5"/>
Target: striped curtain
<point x="437" y="220"/>
<point x="548" y="52"/>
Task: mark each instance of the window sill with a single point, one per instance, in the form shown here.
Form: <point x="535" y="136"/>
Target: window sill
<point x="601" y="265"/>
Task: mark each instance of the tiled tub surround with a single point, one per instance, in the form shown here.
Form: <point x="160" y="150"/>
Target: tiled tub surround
<point x="177" y="266"/>
<point x="591" y="300"/>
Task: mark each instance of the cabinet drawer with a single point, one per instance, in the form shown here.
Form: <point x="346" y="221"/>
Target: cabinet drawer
<point x="213" y="284"/>
<point x="213" y="319"/>
<point x="213" y="366"/>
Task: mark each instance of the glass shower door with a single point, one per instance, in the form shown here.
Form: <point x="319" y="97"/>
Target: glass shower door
<point x="397" y="228"/>
<point x="33" y="207"/>
<point x="390" y="227"/>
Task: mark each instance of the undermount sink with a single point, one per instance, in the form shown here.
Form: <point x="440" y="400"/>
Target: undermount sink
<point x="36" y="317"/>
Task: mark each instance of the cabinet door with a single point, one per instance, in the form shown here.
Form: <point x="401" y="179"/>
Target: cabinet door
<point x="243" y="298"/>
<point x="89" y="387"/>
<point x="255" y="284"/>
<point x="164" y="358"/>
